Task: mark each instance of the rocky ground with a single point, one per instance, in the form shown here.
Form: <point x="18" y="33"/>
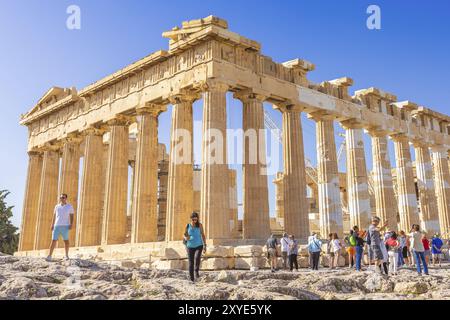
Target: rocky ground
<point x="34" y="278"/>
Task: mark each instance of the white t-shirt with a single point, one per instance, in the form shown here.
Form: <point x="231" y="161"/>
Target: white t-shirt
<point x="416" y="241"/>
<point x="335" y="245"/>
<point x="285" y="244"/>
<point x="62" y="214"/>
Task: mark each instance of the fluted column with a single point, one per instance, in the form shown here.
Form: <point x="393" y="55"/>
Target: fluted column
<point x="296" y="219"/>
<point x="68" y="183"/>
<point x="214" y="196"/>
<point x="357" y="182"/>
<point x="31" y="201"/>
<point x="115" y="206"/>
<point x="385" y="202"/>
<point x="89" y="229"/>
<point x="181" y="159"/>
<point x="48" y="197"/>
<point x="442" y="185"/>
<point x="429" y="216"/>
<point x="144" y="226"/>
<point x="407" y="199"/>
<point x="256" y="220"/>
<point x="330" y="209"/>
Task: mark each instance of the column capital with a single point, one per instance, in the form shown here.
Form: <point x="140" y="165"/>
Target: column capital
<point x="119" y="120"/>
<point x="75" y="138"/>
<point x="54" y="146"/>
<point x="287" y="106"/>
<point x="248" y="95"/>
<point x="184" y="97"/>
<point x="420" y="144"/>
<point x="352" y="124"/>
<point x="212" y="86"/>
<point x="93" y="131"/>
<point x="439" y="148"/>
<point x="320" y="116"/>
<point x="375" y="132"/>
<point x="151" y="108"/>
<point x="34" y="153"/>
<point x="399" y="137"/>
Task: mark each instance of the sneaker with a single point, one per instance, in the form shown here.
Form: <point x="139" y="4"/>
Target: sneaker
<point x="66" y="258"/>
<point x="48" y="259"/>
<point x="197" y="275"/>
<point x="271" y="270"/>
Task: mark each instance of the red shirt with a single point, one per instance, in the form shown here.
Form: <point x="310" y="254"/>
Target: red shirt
<point x="426" y="244"/>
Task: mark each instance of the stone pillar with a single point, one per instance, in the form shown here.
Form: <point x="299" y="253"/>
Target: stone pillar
<point x="296" y="219"/>
<point x="442" y="185"/>
<point x="48" y="197"/>
<point x="256" y="220"/>
<point x="407" y="199"/>
<point x="181" y="160"/>
<point x="330" y="210"/>
<point x="31" y="201"/>
<point x="163" y="176"/>
<point x="429" y="216"/>
<point x="89" y="229"/>
<point x="132" y="164"/>
<point x="144" y="226"/>
<point x="279" y="198"/>
<point x="357" y="182"/>
<point x="68" y="183"/>
<point x="214" y="196"/>
<point x="115" y="206"/>
<point x="385" y="202"/>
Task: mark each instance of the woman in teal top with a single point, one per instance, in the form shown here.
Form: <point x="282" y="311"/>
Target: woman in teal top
<point x="195" y="240"/>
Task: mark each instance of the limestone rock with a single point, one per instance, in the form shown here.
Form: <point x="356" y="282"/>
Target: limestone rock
<point x="219" y="251"/>
<point x="412" y="287"/>
<point x="217" y="263"/>
<point x="226" y="277"/>
<point x="248" y="251"/>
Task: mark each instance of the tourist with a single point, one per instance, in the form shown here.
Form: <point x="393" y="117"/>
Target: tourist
<point x="436" y="249"/>
<point x="403" y="250"/>
<point x="271" y="245"/>
<point x="195" y="240"/>
<point x="384" y="251"/>
<point x="336" y="249"/>
<point x="314" y="248"/>
<point x="293" y="253"/>
<point x="359" y="247"/>
<point x="350" y="242"/>
<point x="310" y="238"/>
<point x="62" y="223"/>
<point x="426" y="246"/>
<point x="285" y="249"/>
<point x="330" y="253"/>
<point x="393" y="247"/>
<point x="374" y="242"/>
<point x="418" y="249"/>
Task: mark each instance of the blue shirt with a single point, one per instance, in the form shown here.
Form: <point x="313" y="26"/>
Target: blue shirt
<point x="436" y="245"/>
<point x="314" y="245"/>
<point x="195" y="237"/>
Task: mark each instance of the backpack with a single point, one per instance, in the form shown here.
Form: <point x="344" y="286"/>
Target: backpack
<point x="367" y="240"/>
<point x="352" y="241"/>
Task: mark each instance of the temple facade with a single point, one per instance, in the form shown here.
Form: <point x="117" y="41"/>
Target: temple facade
<point x="112" y="125"/>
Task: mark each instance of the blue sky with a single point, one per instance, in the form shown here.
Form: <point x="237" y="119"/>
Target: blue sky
<point x="409" y="56"/>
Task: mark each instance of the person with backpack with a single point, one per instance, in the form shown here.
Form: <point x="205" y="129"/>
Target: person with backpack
<point x="271" y="245"/>
<point x="393" y="247"/>
<point x="285" y="249"/>
<point x="359" y="247"/>
<point x="314" y="248"/>
<point x="350" y="243"/>
<point x="195" y="241"/>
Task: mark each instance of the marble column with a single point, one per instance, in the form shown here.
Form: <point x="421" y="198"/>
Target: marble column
<point x="407" y="199"/>
<point x="181" y="161"/>
<point x="256" y="220"/>
<point x="68" y="182"/>
<point x="330" y="210"/>
<point x="357" y="182"/>
<point x="144" y="226"/>
<point x="89" y="229"/>
<point x="115" y="206"/>
<point x="442" y="185"/>
<point x="296" y="219"/>
<point x="214" y="196"/>
<point x="31" y="201"/>
<point x="48" y="197"/>
<point x="429" y="216"/>
<point x="385" y="202"/>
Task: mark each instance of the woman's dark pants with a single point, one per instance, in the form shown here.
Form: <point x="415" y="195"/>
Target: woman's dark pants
<point x="194" y="256"/>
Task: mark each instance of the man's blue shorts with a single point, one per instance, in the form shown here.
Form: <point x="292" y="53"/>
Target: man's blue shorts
<point x="60" y="230"/>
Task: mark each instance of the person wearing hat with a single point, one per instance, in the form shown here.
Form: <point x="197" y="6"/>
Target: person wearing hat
<point x="436" y="249"/>
<point x="195" y="241"/>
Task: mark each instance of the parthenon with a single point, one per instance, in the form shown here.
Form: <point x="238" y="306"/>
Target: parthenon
<point x="86" y="142"/>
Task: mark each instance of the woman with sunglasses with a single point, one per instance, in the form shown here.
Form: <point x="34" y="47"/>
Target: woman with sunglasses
<point x="195" y="240"/>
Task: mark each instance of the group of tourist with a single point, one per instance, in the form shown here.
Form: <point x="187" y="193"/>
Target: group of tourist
<point x="387" y="249"/>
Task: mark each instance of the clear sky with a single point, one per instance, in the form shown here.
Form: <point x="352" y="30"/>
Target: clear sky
<point x="409" y="56"/>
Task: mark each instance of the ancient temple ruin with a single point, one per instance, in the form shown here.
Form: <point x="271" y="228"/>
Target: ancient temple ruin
<point x="113" y="125"/>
